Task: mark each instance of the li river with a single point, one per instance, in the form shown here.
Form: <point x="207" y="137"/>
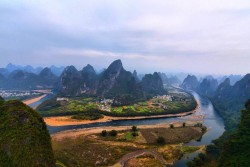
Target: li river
<point x="206" y="113"/>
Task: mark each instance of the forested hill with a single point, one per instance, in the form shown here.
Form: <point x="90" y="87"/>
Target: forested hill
<point x="229" y="100"/>
<point x="236" y="150"/>
<point x="24" y="139"/>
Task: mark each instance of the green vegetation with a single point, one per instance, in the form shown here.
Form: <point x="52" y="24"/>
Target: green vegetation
<point x="88" y="115"/>
<point x="197" y="161"/>
<point x="113" y="133"/>
<point x="171" y="126"/>
<point x="134" y="128"/>
<point x="74" y="106"/>
<point x="24" y="139"/>
<point x="93" y="108"/>
<point x="129" y="136"/>
<point x="156" y="106"/>
<point x="235" y="151"/>
<point x="189" y="149"/>
<point x="232" y="148"/>
<point x="135" y="134"/>
<point x="104" y="133"/>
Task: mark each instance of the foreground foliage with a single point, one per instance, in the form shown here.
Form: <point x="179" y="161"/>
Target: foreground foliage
<point x="24" y="139"/>
<point x="236" y="150"/>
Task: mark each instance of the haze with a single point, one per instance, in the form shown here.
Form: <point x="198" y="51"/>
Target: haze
<point x="163" y="35"/>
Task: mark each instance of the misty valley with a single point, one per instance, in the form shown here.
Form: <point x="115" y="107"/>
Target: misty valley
<point x="116" y="118"/>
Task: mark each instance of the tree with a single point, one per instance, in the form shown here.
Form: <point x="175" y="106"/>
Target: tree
<point x="113" y="133"/>
<point x="134" y="134"/>
<point x="183" y="124"/>
<point x="171" y="126"/>
<point x="161" y="140"/>
<point x="104" y="133"/>
<point x="134" y="128"/>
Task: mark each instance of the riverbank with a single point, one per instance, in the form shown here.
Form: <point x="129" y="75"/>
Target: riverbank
<point x="67" y="120"/>
<point x="97" y="130"/>
<point x="33" y="100"/>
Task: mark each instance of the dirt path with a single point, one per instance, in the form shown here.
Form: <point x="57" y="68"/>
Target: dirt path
<point x="138" y="153"/>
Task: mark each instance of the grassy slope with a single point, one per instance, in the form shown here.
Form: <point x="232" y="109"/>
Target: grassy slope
<point x="24" y="139"/>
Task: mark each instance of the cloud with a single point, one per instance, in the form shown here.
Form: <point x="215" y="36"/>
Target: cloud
<point x="193" y="36"/>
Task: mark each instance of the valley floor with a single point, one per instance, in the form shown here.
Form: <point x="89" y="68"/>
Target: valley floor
<point x="67" y="120"/>
<point x="87" y="147"/>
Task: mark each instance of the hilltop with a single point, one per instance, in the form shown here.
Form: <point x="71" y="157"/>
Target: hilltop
<point x="24" y="140"/>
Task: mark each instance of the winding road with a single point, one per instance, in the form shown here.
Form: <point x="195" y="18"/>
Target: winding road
<point x="138" y="153"/>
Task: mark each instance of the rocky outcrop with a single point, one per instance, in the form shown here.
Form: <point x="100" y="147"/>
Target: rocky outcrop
<point x="116" y="81"/>
<point x="70" y="82"/>
<point x="208" y="87"/>
<point x="190" y="83"/>
<point x="229" y="100"/>
<point x="136" y="76"/>
<point x="47" y="78"/>
<point x="169" y="80"/>
<point x="152" y="84"/>
<point x="89" y="80"/>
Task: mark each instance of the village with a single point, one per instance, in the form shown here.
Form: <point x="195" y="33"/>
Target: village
<point x="17" y="93"/>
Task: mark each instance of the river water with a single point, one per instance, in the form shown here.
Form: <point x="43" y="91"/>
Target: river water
<point x="211" y="120"/>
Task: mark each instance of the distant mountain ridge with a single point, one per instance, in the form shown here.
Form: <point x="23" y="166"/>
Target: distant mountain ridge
<point x="112" y="82"/>
<point x="172" y="80"/>
<point x="28" y="68"/>
<point x="227" y="98"/>
<point x="190" y="83"/>
<point x="20" y="79"/>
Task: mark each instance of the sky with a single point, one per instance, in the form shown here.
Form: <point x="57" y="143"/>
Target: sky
<point x="194" y="36"/>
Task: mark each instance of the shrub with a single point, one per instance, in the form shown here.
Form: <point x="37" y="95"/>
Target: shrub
<point x="161" y="140"/>
<point x="202" y="156"/>
<point x="198" y="161"/>
<point x="171" y="126"/>
<point x="203" y="129"/>
<point x="183" y="124"/>
<point x="198" y="125"/>
<point x="104" y="133"/>
<point x="113" y="133"/>
<point x="191" y="164"/>
<point x="135" y="134"/>
<point x="134" y="128"/>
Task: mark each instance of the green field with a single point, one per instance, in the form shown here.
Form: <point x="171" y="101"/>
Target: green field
<point x="91" y="108"/>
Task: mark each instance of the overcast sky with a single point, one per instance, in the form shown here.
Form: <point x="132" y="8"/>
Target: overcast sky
<point x="197" y="36"/>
